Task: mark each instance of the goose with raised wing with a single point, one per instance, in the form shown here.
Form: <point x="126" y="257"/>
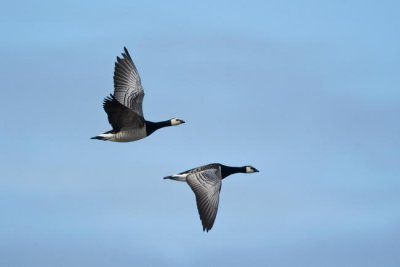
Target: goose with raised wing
<point x="205" y="181"/>
<point x="124" y="107"/>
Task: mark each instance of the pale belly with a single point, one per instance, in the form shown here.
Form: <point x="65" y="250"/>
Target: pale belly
<point x="129" y="135"/>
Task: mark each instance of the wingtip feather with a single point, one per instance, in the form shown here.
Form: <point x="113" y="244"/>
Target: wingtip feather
<point x="126" y="51"/>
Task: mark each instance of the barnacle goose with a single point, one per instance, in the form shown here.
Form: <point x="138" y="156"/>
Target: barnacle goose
<point x="205" y="182"/>
<point x="124" y="107"/>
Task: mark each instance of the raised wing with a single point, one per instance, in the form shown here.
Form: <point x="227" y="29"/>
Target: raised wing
<point x="206" y="185"/>
<point x="120" y="116"/>
<point x="128" y="88"/>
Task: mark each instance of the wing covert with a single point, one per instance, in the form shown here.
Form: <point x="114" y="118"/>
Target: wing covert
<point x="120" y="116"/>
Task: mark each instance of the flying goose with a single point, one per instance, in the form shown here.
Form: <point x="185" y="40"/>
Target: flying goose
<point x="205" y="182"/>
<point x="124" y="108"/>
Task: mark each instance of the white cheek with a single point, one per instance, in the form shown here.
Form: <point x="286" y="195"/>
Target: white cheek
<point x="175" y="122"/>
<point x="248" y="170"/>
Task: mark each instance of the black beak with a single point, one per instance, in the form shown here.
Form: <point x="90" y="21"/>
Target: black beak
<point x="255" y="170"/>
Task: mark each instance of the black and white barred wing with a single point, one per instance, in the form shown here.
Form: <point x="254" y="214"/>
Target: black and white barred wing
<point x="128" y="88"/>
<point x="206" y="185"/>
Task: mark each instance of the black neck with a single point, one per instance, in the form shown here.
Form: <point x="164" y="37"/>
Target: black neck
<point x="151" y="127"/>
<point x="226" y="170"/>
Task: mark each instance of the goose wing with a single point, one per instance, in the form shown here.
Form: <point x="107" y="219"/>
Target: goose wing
<point x="210" y="166"/>
<point x="119" y="116"/>
<point x="206" y="186"/>
<point x="128" y="88"/>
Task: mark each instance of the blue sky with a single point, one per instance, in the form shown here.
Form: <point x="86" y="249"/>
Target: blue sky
<point x="307" y="92"/>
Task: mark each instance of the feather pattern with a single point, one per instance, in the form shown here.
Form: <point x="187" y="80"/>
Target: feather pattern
<point x="206" y="185"/>
<point x="210" y="166"/>
<point x="128" y="88"/>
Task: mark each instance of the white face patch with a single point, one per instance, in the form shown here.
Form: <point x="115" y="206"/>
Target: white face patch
<point x="249" y="169"/>
<point x="175" y="122"/>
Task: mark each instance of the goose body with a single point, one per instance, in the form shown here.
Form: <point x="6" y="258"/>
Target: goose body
<point x="206" y="181"/>
<point x="124" y="107"/>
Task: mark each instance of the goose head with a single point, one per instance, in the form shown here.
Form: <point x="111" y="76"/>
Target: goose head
<point x="176" y="121"/>
<point x="251" y="169"/>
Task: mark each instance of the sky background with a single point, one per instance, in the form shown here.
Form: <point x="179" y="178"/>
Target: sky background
<point x="308" y="92"/>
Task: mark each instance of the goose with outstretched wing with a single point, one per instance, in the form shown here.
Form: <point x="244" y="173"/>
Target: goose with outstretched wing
<point x="205" y="181"/>
<point x="124" y="107"/>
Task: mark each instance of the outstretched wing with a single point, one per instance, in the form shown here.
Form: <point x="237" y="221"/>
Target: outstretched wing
<point x="120" y="116"/>
<point x="128" y="88"/>
<point x="206" y="185"/>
